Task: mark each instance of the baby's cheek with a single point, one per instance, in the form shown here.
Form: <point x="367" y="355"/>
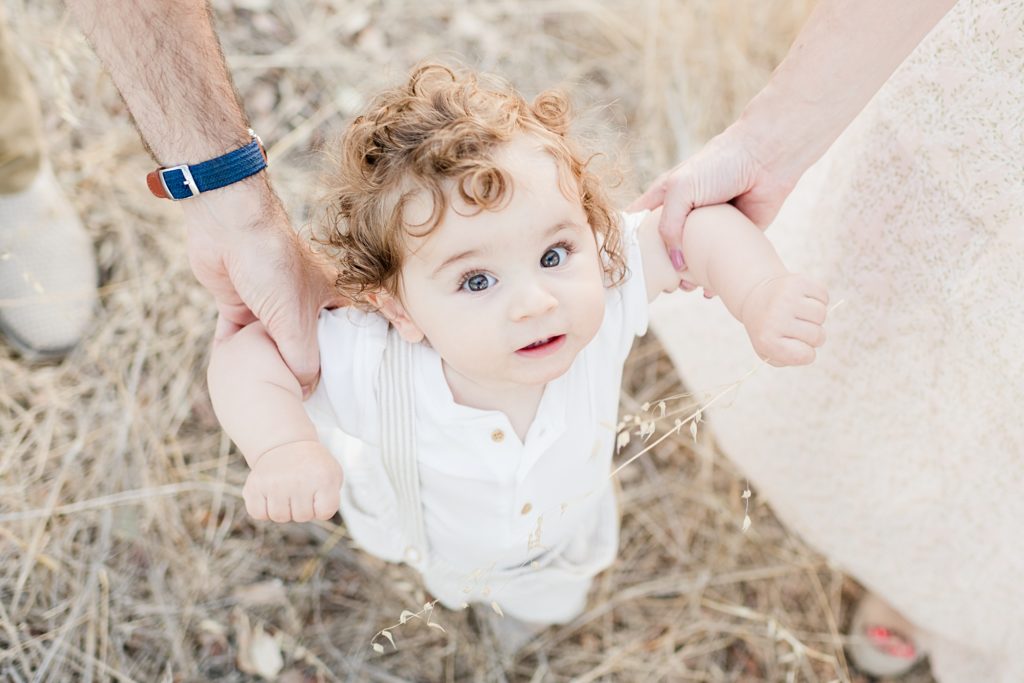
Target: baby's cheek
<point x="592" y="305"/>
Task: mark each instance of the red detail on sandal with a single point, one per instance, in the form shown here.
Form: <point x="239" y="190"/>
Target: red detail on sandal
<point x="890" y="642"/>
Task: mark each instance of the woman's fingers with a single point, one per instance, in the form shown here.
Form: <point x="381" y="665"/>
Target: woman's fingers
<point x="678" y="202"/>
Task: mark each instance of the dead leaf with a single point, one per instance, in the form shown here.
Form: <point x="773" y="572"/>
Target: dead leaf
<point x="387" y="634"/>
<point x="647" y="430"/>
<point x="623" y="440"/>
<point x="258" y="652"/>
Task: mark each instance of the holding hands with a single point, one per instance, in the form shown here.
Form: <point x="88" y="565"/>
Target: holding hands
<point x="726" y="195"/>
<point x="730" y="168"/>
<point x="723" y="249"/>
<point x="258" y="399"/>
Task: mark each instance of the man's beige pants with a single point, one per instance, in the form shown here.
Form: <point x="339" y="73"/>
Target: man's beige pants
<point x="20" y="135"/>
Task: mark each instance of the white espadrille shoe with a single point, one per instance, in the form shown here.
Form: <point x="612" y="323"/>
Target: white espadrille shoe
<point x="47" y="270"/>
<point x="882" y="641"/>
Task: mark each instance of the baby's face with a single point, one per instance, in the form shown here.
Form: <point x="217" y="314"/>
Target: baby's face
<point x="508" y="297"/>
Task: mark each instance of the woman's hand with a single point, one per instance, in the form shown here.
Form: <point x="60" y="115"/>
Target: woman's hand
<point x="730" y="168"/>
<point x="296" y="482"/>
<point x="842" y="55"/>
<point x="784" y="317"/>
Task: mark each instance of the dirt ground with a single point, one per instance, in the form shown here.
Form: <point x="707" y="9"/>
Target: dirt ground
<point x="125" y="550"/>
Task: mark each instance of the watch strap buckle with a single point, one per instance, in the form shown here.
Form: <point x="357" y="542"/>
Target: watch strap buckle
<point x="178" y="178"/>
<point x="185" y="181"/>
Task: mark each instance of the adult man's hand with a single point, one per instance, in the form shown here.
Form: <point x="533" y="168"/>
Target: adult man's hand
<point x="165" y="59"/>
<point x="244" y="251"/>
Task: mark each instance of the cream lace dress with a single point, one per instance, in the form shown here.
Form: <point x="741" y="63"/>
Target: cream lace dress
<point x="900" y="452"/>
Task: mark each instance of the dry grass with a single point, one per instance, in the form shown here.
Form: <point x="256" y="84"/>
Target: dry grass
<point x="126" y="551"/>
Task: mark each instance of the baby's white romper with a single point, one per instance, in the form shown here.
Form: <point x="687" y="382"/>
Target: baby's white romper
<point x="525" y="524"/>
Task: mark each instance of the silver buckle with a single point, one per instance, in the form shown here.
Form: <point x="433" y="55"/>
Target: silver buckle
<point x="189" y="181"/>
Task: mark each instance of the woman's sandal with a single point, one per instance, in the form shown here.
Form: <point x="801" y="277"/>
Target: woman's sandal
<point x="881" y="640"/>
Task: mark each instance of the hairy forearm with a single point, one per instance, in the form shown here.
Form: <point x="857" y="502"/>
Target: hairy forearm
<point x="728" y="254"/>
<point x="164" y="57"/>
<point x="256" y="398"/>
<point x="842" y="56"/>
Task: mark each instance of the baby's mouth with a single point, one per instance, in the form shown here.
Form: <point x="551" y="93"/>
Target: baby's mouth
<point x="541" y="343"/>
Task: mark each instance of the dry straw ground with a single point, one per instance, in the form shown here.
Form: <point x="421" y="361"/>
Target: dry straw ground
<point x="125" y="551"/>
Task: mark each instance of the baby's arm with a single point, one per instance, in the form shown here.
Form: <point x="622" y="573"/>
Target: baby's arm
<point x="259" y="403"/>
<point x="726" y="253"/>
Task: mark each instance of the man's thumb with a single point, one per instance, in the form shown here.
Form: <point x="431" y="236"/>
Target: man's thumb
<point x="296" y="341"/>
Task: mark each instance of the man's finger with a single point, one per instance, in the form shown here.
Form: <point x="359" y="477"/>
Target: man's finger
<point x="296" y="341"/>
<point x="224" y="330"/>
<point x="230" y="319"/>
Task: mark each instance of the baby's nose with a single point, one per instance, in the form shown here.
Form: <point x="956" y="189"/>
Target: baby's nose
<point x="532" y="301"/>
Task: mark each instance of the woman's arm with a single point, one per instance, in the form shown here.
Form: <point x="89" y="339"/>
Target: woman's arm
<point x="844" y="53"/>
<point x="259" y="403"/>
<point x="724" y="252"/>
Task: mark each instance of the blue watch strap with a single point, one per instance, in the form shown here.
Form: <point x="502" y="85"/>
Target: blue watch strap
<point x="182" y="182"/>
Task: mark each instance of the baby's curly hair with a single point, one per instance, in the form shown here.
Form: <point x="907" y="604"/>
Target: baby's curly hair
<point x="438" y="133"/>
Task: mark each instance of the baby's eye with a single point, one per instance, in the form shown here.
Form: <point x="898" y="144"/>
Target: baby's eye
<point x="554" y="257"/>
<point x="478" y="282"/>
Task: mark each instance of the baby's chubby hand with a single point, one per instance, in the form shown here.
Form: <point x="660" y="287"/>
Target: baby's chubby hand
<point x="296" y="482"/>
<point x="784" y="317"/>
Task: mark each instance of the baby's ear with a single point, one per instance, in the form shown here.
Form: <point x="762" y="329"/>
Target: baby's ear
<point x="391" y="308"/>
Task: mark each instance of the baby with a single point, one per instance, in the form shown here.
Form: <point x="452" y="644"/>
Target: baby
<point x="470" y="382"/>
